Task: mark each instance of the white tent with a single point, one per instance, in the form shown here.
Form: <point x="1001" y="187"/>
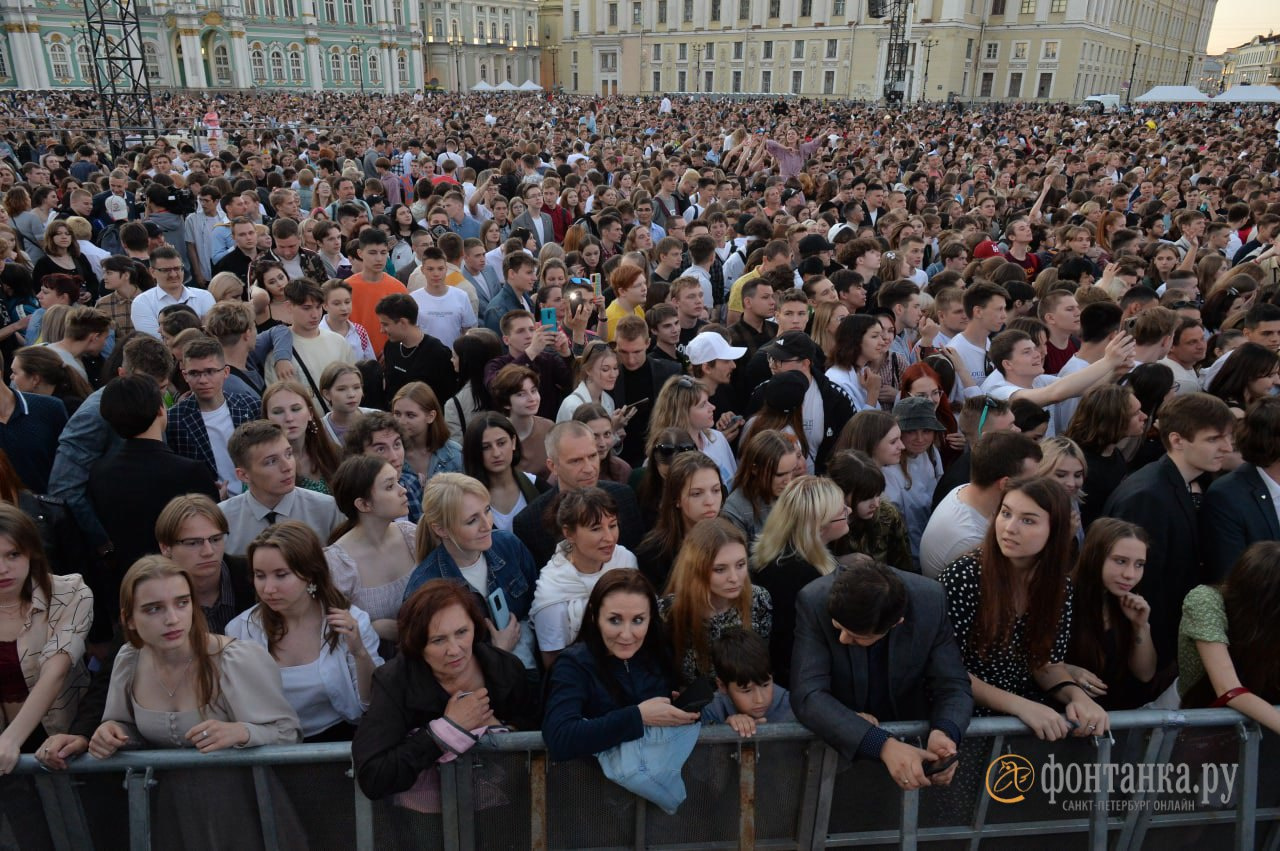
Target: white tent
<point x="1249" y="94"/>
<point x="530" y="86"/>
<point x="1173" y="94"/>
<point x="482" y="86"/>
<point x="506" y="86"/>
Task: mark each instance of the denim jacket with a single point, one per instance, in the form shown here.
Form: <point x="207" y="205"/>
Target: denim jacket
<point x="511" y="568"/>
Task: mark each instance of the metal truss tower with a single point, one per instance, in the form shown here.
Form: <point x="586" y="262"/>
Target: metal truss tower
<point x="895" y="71"/>
<point x="120" y="71"/>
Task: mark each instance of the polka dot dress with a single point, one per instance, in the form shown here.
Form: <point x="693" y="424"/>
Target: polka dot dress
<point x="1004" y="667"/>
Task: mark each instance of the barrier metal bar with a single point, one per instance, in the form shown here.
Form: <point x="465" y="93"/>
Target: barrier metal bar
<point x="816" y="799"/>
<point x="266" y="810"/>
<point x="747" y="795"/>
<point x="1098" y="818"/>
<point x="984" y="801"/>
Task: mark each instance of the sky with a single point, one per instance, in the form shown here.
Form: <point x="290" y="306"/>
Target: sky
<point x="1237" y="21"/>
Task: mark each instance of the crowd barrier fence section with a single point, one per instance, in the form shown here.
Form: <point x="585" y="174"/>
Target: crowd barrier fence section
<point x="783" y="788"/>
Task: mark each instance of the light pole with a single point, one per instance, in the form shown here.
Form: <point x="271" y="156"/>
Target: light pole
<point x="359" y="49"/>
<point x="928" y="44"/>
<point x="456" y="44"/>
<point x="697" y="64"/>
<point x="1133" y="70"/>
<point x="554" y="50"/>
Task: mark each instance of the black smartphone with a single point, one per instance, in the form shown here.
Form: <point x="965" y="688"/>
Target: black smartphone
<point x="699" y="693"/>
<point x="940" y="765"/>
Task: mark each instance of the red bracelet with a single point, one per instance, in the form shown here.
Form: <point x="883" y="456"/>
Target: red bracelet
<point x="1230" y="695"/>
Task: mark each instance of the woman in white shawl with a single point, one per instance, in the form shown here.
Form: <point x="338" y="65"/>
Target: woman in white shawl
<point x="588" y="520"/>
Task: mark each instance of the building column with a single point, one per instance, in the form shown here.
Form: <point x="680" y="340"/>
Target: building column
<point x="391" y="79"/>
<point x="241" y="76"/>
<point x="37" y="50"/>
<point x="189" y="38"/>
<point x="315" y="68"/>
<point x="24" y="68"/>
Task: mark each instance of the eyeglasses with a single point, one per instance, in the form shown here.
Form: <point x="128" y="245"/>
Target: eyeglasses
<point x="198" y="543"/>
<point x="1182" y="305"/>
<point x="169" y="270"/>
<point x="201" y="374"/>
<point x="670" y="450"/>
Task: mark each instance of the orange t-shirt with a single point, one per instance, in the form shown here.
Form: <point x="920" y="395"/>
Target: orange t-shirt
<point x="365" y="297"/>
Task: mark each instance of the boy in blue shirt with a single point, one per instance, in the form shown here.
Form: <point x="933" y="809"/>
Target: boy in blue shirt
<point x="747" y="695"/>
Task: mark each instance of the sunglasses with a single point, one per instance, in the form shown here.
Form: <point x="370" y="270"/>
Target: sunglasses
<point x="670" y="450"/>
<point x="988" y="405"/>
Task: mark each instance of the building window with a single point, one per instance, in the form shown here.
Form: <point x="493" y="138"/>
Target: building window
<point x="277" y="66"/>
<point x="657" y="81"/>
<point x="251" y="8"/>
<point x="992" y="50"/>
<point x="60" y="60"/>
<point x="353" y="66"/>
<point x="335" y="66"/>
<point x="349" y="11"/>
<point x="84" y="61"/>
<point x="1015" y="84"/>
<point x="797" y="82"/>
<point x="997" y="7"/>
<point x="269" y="7"/>
<point x="484" y="72"/>
<point x="837" y="7"/>
<point x="775" y="8"/>
<point x="1050" y="51"/>
<point x="687" y="15"/>
<point x="609" y="61"/>
<point x="1058" y="6"/>
<point x="636" y="14"/>
<point x="295" y="65"/>
<point x="737" y="81"/>
<point x="437" y="28"/>
<point x="258" y="65"/>
<point x="402" y="68"/>
<point x="682" y="52"/>
<point x="613" y="14"/>
<point x="711" y="51"/>
<point x="681" y="78"/>
<point x="577" y="26"/>
<point x="737" y="50"/>
<point x="480" y="31"/>
<point x="368" y="12"/>
<point x="766" y="81"/>
<point x="493" y="32"/>
<point x="375" y="69"/>
<point x="715" y="11"/>
<point x="397" y="13"/>
<point x="1019" y="51"/>
<point x="797" y="49"/>
<point x="662" y="11"/>
<point x="4" y="61"/>
<point x="744" y="9"/>
<point x="828" y="82"/>
<point x="1028" y="7"/>
<point x="1044" y="86"/>
<point x="575" y="74"/>
<point x="331" y="15"/>
<point x="806" y="8"/>
<point x="222" y="65"/>
<point x="657" y="53"/>
<point x="766" y="50"/>
<point x="832" y="47"/>
<point x="709" y="81"/>
<point x="988" y="81"/>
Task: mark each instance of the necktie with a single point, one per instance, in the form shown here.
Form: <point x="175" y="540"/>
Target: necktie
<point x="271" y="518"/>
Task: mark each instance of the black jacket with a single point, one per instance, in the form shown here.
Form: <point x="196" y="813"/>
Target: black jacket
<point x="1237" y="511"/>
<point x="661" y="371"/>
<point x="837" y="410"/>
<point x="393" y="744"/>
<point x="130" y="488"/>
<point x="538" y="536"/>
<point x="1157" y="499"/>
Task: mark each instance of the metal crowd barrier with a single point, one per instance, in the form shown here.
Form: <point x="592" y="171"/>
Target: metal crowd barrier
<point x="781" y="789"/>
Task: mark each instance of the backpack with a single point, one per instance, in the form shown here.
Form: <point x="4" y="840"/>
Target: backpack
<point x="109" y="239"/>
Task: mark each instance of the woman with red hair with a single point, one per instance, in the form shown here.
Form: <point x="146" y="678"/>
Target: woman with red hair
<point x="920" y="379"/>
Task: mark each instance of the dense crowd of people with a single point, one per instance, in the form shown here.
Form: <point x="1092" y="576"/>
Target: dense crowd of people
<point x="409" y="421"/>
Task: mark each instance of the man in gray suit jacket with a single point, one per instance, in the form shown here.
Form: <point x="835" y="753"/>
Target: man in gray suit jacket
<point x="874" y="644"/>
<point x="1242" y="507"/>
<point x="542" y="228"/>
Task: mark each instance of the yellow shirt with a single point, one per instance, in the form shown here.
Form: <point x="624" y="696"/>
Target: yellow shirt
<point x="613" y="313"/>
<point x="735" y="294"/>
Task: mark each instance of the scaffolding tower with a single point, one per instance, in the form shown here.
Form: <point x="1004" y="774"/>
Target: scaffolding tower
<point x="898" y="13"/>
<point x="120" y="72"/>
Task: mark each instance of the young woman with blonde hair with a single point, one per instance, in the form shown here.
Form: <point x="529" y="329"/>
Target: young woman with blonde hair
<point x="289" y="405"/>
<point x="709" y="592"/>
<point x="427" y="447"/>
<point x="793" y="550"/>
<point x="683" y="403"/>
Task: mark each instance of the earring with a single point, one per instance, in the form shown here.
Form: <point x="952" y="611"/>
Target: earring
<point x="311" y="588"/>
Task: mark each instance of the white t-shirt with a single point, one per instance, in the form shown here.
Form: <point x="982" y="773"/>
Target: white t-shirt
<point x="998" y="387"/>
<point x="975" y="361"/>
<point x="954" y="529"/>
<point x="446" y="316"/>
<point x="477" y="575"/>
<point x="218" y="425"/>
<point x="1066" y="409"/>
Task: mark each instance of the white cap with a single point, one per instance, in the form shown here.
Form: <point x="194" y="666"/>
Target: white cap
<point x="709" y="346"/>
<point x="117" y="208"/>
